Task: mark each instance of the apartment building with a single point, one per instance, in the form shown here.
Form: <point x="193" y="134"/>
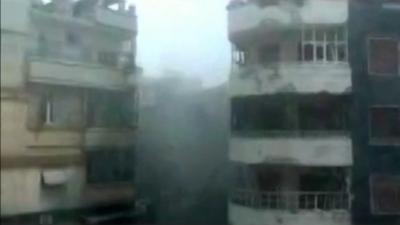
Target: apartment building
<point x="68" y="108"/>
<point x="374" y="45"/>
<point x="290" y="93"/>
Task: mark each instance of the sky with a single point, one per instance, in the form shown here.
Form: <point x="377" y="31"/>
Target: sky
<point x="189" y="36"/>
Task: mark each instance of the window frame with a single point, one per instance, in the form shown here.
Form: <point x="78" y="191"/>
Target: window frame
<point x="373" y="205"/>
<point x="381" y="37"/>
<point x="381" y="141"/>
<point x="49" y="110"/>
<point x="313" y="30"/>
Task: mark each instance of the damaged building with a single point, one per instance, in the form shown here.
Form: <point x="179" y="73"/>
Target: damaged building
<point x="290" y="96"/>
<point x="68" y="109"/>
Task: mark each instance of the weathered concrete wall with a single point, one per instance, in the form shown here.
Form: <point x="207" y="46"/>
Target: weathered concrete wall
<point x="318" y="151"/>
<point x="240" y="215"/>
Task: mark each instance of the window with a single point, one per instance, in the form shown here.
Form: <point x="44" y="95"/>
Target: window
<point x="72" y="39"/>
<point x="240" y="57"/>
<point x="385" y="194"/>
<point x="49" y="110"/>
<point x="323" y="44"/>
<point x="306" y="113"/>
<point x="383" y="56"/>
<point x="119" y="166"/>
<point x="385" y="123"/>
<point x="55" y="108"/>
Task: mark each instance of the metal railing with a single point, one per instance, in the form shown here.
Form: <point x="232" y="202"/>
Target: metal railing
<point x="291" y="133"/>
<point x="291" y="200"/>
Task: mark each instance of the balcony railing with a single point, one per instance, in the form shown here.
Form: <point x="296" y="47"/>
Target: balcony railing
<point x="292" y="200"/>
<point x="60" y="52"/>
<point x="291" y="133"/>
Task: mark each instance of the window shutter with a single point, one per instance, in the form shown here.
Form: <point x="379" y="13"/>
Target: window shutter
<point x="36" y="111"/>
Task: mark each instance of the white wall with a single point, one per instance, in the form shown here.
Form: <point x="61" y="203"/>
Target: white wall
<point x="317" y="151"/>
<point x="292" y="77"/>
<point x="240" y="215"/>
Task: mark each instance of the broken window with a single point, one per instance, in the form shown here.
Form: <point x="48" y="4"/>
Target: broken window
<point x="323" y="44"/>
<point x="385" y="123"/>
<point x="256" y="114"/>
<point x="323" y="113"/>
<point x="119" y="166"/>
<point x="383" y="56"/>
<point x="276" y="113"/>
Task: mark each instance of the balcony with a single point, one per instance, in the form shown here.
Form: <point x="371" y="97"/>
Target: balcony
<point x="63" y="65"/>
<point x="296" y="77"/>
<point x="249" y="21"/>
<point x="291" y="208"/>
<point x="313" y="148"/>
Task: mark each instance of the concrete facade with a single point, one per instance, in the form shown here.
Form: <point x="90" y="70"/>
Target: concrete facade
<point x="289" y="69"/>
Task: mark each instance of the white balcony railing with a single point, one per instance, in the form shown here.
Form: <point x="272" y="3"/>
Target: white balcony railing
<point x="292" y="200"/>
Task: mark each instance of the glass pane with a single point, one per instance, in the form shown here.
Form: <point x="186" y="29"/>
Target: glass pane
<point x="309" y="52"/>
<point x="342" y="52"/>
<point x="320" y="52"/>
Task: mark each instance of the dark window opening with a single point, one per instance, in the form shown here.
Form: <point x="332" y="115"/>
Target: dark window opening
<point x="383" y="56"/>
<point x="269" y="54"/>
<point x="308" y="52"/>
<point x="385" y="122"/>
<point x="320" y="53"/>
<point x="110" y="109"/>
<point x="385" y="194"/>
<point x="312" y="113"/>
<point x="110" y="166"/>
